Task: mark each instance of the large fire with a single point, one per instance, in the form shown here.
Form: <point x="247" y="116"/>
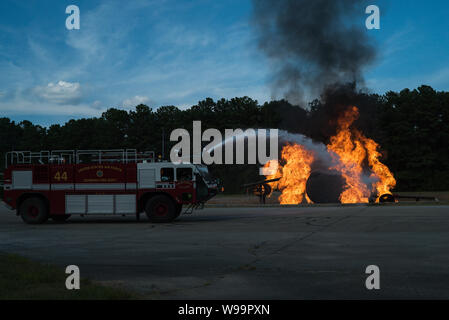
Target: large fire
<point x="294" y="174"/>
<point x="355" y="156"/>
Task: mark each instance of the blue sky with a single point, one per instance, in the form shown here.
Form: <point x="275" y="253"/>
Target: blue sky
<point x="168" y="52"/>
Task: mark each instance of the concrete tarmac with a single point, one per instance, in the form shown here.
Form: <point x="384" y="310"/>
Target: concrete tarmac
<point x="252" y="253"/>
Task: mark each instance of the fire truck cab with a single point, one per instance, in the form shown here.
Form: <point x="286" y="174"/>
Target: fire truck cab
<point x="61" y="183"/>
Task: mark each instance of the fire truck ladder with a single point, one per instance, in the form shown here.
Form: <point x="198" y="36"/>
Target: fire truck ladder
<point x="114" y="155"/>
<point x="26" y="157"/>
<point x="78" y="156"/>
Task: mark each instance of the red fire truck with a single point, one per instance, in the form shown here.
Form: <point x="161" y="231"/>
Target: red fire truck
<point x="61" y="183"/>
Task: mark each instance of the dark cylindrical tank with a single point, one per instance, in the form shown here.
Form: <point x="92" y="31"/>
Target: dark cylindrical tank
<point x="325" y="186"/>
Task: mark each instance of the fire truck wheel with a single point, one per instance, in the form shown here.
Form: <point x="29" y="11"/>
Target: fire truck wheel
<point x="160" y="209"/>
<point x="60" y="218"/>
<point x="33" y="211"/>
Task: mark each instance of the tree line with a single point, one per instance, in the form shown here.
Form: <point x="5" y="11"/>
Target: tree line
<point x="411" y="126"/>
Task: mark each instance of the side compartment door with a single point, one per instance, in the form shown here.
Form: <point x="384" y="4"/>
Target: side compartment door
<point x="100" y="204"/>
<point x="22" y="179"/>
<point x="146" y="178"/>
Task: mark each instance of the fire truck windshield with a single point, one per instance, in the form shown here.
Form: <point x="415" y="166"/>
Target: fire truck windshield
<point x="204" y="172"/>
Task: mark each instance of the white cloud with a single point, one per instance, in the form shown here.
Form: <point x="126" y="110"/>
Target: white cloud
<point x="62" y="92"/>
<point x="134" y="101"/>
<point x="60" y="98"/>
<point x="96" y="104"/>
<point x="181" y="36"/>
<point x="20" y="106"/>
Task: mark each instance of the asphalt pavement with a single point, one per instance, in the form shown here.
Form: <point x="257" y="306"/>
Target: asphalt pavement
<point x="252" y="253"/>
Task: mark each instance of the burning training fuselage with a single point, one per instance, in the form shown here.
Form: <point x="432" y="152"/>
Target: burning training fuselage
<point x="356" y="174"/>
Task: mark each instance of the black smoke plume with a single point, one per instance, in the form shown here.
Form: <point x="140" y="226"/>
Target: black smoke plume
<point x="313" y="44"/>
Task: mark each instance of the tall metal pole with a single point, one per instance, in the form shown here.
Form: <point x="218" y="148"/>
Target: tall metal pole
<point x="163" y="143"/>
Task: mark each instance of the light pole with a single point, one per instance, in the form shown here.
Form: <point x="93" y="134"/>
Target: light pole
<point x="163" y="143"/>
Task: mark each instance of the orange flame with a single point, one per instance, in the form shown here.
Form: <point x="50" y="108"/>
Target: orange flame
<point x="351" y="154"/>
<point x="353" y="150"/>
<point x="294" y="174"/>
<point x="386" y="180"/>
<point x="356" y="157"/>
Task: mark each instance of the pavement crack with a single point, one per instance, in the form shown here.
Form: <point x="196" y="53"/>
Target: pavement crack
<point x="301" y="238"/>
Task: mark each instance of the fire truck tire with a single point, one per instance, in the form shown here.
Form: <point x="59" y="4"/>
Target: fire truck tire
<point x="33" y="211"/>
<point x="161" y="208"/>
<point x="60" y="218"/>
